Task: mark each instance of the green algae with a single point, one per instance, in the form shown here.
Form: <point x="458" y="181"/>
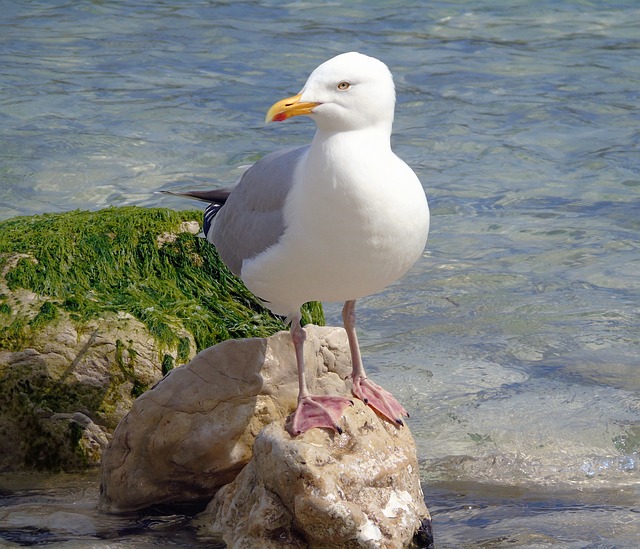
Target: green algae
<point x="28" y="428"/>
<point x="112" y="260"/>
<point x="125" y="359"/>
<point x="167" y="364"/>
<point x="48" y="313"/>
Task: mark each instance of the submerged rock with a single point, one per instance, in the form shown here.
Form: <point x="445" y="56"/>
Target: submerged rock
<point x="216" y="426"/>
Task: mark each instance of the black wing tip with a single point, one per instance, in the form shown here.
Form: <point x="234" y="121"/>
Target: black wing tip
<point x="209" y="214"/>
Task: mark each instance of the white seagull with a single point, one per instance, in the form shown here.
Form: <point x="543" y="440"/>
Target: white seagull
<point x="335" y="220"/>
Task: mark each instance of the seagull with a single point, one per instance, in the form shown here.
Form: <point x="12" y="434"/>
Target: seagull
<point x="333" y="221"/>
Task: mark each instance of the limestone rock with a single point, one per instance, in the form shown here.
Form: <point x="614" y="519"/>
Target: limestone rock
<point x="324" y="490"/>
<point x="194" y="432"/>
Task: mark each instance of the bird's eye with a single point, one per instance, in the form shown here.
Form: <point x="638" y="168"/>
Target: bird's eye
<point x="344" y="86"/>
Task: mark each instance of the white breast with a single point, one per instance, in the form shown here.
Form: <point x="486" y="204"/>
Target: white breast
<point x="357" y="220"/>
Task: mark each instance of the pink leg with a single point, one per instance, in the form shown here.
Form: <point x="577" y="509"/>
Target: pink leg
<point x="379" y="399"/>
<point x="313" y="410"/>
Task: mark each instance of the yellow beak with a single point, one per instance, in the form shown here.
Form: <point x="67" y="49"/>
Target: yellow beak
<point x="286" y="108"/>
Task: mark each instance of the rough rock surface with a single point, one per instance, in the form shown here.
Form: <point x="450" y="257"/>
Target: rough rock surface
<point x="324" y="490"/>
<point x="194" y="431"/>
<point x="64" y="394"/>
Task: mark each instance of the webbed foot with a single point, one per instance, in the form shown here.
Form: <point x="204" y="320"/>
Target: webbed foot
<point x="317" y="411"/>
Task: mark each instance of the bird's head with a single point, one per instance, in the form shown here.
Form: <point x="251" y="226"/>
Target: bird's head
<point x="351" y="91"/>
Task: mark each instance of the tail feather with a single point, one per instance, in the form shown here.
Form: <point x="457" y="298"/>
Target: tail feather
<point x="214" y="196"/>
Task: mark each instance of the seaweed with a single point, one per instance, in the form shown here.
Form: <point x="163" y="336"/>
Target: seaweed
<point x="114" y="260"/>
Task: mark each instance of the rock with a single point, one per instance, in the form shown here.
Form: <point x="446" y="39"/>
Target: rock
<point x="194" y="432"/>
<point x="64" y="395"/>
<point x="216" y="426"/>
<point x="324" y="490"/>
<point x="51" y="522"/>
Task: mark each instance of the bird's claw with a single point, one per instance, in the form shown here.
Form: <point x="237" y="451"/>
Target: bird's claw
<point x="381" y="400"/>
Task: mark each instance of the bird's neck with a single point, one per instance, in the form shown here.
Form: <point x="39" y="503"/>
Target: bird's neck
<point x="369" y="142"/>
<point x="344" y="162"/>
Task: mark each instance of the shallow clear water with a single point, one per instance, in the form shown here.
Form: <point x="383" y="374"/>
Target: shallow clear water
<point x="514" y="342"/>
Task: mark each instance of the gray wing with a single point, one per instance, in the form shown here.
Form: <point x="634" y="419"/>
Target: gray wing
<point x="251" y="219"/>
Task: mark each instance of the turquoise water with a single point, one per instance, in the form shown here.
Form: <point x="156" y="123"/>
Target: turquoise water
<point x="514" y="342"/>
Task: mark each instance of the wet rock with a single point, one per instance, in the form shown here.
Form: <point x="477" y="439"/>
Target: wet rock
<point x="43" y="524"/>
<point x="321" y="489"/>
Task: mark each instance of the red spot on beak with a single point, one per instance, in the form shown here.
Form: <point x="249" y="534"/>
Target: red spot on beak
<point x="280" y="117"/>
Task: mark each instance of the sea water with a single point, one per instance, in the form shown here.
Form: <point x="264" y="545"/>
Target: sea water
<point x="514" y="342"/>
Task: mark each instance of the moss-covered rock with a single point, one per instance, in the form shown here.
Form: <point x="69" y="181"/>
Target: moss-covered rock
<point x="95" y="307"/>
